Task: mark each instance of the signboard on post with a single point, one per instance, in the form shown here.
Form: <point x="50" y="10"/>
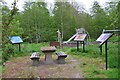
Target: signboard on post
<point x="16" y="40"/>
<point x="80" y="38"/>
<point x="103" y="39"/>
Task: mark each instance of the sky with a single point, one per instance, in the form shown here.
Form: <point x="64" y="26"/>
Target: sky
<point x="86" y="3"/>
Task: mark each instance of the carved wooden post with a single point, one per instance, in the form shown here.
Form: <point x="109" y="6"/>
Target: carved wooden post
<point x="59" y="38"/>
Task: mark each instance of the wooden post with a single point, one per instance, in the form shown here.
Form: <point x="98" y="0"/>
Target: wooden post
<point x="59" y="38"/>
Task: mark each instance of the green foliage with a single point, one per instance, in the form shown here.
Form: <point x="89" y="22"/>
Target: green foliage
<point x="118" y="14"/>
<point x="68" y="19"/>
<point x="15" y="28"/>
<point x="39" y="25"/>
<point x="113" y="58"/>
<point x="26" y="47"/>
<point x="111" y="9"/>
<point x="8" y="51"/>
<point x="114" y="38"/>
<point x="99" y="20"/>
<point x="7" y="17"/>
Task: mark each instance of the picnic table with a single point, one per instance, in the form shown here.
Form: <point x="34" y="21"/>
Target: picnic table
<point x="48" y="51"/>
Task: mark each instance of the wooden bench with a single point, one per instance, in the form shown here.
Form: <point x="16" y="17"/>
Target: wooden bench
<point x="56" y="44"/>
<point x="35" y="58"/>
<point x="61" y="57"/>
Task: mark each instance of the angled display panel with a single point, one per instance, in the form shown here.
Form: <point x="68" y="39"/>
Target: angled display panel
<point x="16" y="39"/>
<point x="80" y="37"/>
<point x="103" y="40"/>
<point x="103" y="37"/>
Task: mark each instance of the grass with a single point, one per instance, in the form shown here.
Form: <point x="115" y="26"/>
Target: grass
<point x="91" y="62"/>
<point x="0" y="61"/>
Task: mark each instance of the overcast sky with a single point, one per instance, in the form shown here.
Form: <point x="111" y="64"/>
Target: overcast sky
<point x="86" y="3"/>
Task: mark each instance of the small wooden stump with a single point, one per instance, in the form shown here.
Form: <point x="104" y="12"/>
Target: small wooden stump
<point x="35" y="58"/>
<point x="61" y="57"/>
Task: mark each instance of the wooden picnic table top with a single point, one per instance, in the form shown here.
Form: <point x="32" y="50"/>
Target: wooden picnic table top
<point x="48" y="49"/>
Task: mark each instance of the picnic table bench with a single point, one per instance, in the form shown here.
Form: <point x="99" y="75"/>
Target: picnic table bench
<point x="35" y="58"/>
<point x="56" y="44"/>
<point x="61" y="57"/>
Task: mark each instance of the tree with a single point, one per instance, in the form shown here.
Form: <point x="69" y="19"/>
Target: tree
<point x="112" y="11"/>
<point x="35" y="22"/>
<point x="68" y="18"/>
<point x="118" y="14"/>
<point x="99" y="20"/>
<point x="7" y="17"/>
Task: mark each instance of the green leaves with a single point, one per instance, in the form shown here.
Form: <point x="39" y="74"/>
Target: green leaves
<point x="68" y="19"/>
<point x="37" y="22"/>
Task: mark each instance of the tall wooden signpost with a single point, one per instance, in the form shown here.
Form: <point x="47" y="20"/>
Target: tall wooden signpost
<point x="16" y="40"/>
<point x="103" y="39"/>
<point x="59" y="38"/>
<point x="80" y="38"/>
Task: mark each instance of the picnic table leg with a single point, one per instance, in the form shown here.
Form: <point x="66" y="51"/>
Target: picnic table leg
<point x="48" y="58"/>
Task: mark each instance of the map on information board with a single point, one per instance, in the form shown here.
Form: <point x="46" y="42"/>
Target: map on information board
<point x="80" y="37"/>
<point x="16" y="39"/>
<point x="104" y="37"/>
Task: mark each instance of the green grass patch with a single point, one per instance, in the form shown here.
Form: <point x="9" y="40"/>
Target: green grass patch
<point x="0" y="61"/>
<point x="114" y="38"/>
<point x="26" y="50"/>
<point x="0" y="69"/>
<point x="93" y="63"/>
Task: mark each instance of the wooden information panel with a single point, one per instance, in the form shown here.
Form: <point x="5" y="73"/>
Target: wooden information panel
<point x="80" y="37"/>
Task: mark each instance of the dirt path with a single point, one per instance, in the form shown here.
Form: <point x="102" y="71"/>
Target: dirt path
<point x="21" y="67"/>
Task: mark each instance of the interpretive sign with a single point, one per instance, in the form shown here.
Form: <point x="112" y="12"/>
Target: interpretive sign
<point x="80" y="37"/>
<point x="16" y="40"/>
<point x="103" y="39"/>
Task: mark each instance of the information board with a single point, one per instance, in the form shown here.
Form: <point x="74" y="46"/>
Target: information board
<point x="16" y="40"/>
<point x="80" y="37"/>
<point x="103" y="37"/>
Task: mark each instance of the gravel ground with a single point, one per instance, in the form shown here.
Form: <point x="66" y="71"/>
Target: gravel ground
<point x="21" y="67"/>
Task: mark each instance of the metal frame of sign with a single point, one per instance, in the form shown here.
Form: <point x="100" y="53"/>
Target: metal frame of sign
<point x="103" y="39"/>
<point x="80" y="38"/>
<point x="16" y="40"/>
